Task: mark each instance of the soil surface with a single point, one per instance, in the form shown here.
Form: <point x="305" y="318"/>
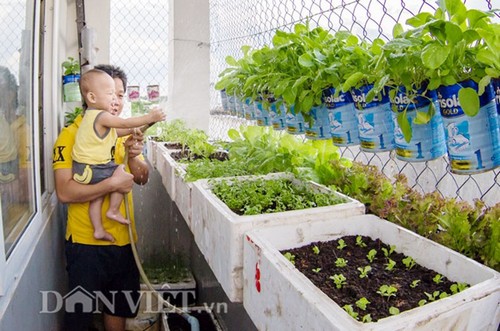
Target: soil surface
<point x="173" y="145"/>
<point x="187" y="156"/>
<point x="355" y="287"/>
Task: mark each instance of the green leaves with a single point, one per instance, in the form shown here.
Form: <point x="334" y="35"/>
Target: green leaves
<point x="469" y="100"/>
<point x="434" y="55"/>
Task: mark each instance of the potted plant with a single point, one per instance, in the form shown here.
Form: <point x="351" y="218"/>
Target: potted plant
<point x="340" y="106"/>
<point x="273" y="279"/>
<point x="375" y="123"/>
<point x="451" y="56"/>
<point x="419" y="132"/>
<point x="304" y="50"/>
<point x="71" y="77"/>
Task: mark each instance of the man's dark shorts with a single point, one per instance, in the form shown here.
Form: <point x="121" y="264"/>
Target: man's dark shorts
<point x="101" y="271"/>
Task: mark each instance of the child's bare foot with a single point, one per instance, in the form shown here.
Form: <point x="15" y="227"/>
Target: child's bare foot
<point x="116" y="216"/>
<point x="103" y="235"/>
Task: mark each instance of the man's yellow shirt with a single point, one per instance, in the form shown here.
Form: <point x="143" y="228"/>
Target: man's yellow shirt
<point x="79" y="226"/>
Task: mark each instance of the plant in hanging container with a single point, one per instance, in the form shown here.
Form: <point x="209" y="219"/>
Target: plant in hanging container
<point x="464" y="91"/>
<point x="305" y="49"/>
<point x="232" y="81"/>
<point x="375" y="123"/>
<point x="341" y="110"/>
<point x="419" y="131"/>
<point x="71" y="77"/>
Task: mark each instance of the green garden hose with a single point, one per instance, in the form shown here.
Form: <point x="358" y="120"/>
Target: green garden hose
<point x="195" y="325"/>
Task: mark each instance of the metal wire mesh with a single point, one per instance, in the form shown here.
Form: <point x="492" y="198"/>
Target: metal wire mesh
<point x="145" y="60"/>
<point x="235" y="23"/>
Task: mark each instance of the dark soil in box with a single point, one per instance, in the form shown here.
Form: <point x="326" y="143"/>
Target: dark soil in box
<point x="307" y="259"/>
<point x="186" y="155"/>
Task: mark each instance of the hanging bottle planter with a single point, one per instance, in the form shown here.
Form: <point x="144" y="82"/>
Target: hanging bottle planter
<point x="294" y="122"/>
<point x="71" y="88"/>
<point x="427" y="140"/>
<point x="342" y="117"/>
<point x="223" y="98"/>
<point x="496" y="88"/>
<point x="261" y="114"/>
<point x="248" y="109"/>
<point x="71" y="80"/>
<point x="319" y="127"/>
<point x="375" y="125"/>
<point x="277" y="112"/>
<point x="473" y="142"/>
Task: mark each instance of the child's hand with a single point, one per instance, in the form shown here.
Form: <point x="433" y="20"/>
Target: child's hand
<point x="157" y="114"/>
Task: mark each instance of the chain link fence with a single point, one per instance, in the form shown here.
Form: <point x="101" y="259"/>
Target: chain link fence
<point x="139" y="42"/>
<point x="235" y="23"/>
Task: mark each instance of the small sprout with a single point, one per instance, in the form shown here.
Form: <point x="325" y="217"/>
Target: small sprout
<point x="341" y="262"/>
<point x="290" y="257"/>
<point x="438" y="278"/>
<point x="409" y="262"/>
<point x="389" y="251"/>
<point x="363" y="271"/>
<point x="342" y="244"/>
<point x="367" y="318"/>
<point x="458" y="287"/>
<point x="443" y="295"/>
<point x="339" y="280"/>
<point x="390" y="265"/>
<point x="371" y="255"/>
<point x="422" y="302"/>
<point x="316" y="250"/>
<point x="387" y="291"/>
<point x="362" y="303"/>
<point x="415" y="283"/>
<point x="394" y="311"/>
<point x="359" y="242"/>
<point x="316" y="270"/>
<point x="350" y="311"/>
<point x="433" y="296"/>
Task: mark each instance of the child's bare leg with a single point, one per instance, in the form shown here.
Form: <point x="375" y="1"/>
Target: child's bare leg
<point x="115" y="200"/>
<point x="95" y="217"/>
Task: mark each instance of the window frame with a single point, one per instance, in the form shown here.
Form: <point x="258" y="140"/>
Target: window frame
<point x="12" y="267"/>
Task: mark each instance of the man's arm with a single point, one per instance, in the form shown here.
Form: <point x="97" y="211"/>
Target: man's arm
<point x="69" y="191"/>
<point x="138" y="167"/>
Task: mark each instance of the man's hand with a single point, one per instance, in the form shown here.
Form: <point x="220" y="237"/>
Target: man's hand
<point x="135" y="143"/>
<point x="122" y="180"/>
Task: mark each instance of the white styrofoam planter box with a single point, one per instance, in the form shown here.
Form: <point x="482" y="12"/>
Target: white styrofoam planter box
<point x="150" y="150"/>
<point x="288" y="300"/>
<point x="183" y="194"/>
<point x="219" y="232"/>
<point x="167" y="168"/>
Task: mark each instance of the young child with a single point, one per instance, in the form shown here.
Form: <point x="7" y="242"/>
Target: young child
<point x="93" y="152"/>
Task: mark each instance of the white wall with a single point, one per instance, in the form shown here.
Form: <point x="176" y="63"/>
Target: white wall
<point x="189" y="62"/>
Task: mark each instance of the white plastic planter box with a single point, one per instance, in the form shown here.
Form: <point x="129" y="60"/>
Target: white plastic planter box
<point x="288" y="300"/>
<point x="218" y="231"/>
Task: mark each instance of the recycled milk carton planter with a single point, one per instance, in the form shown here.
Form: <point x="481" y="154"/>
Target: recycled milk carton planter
<point x="219" y="232"/>
<point x="167" y="167"/>
<point x="279" y="297"/>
